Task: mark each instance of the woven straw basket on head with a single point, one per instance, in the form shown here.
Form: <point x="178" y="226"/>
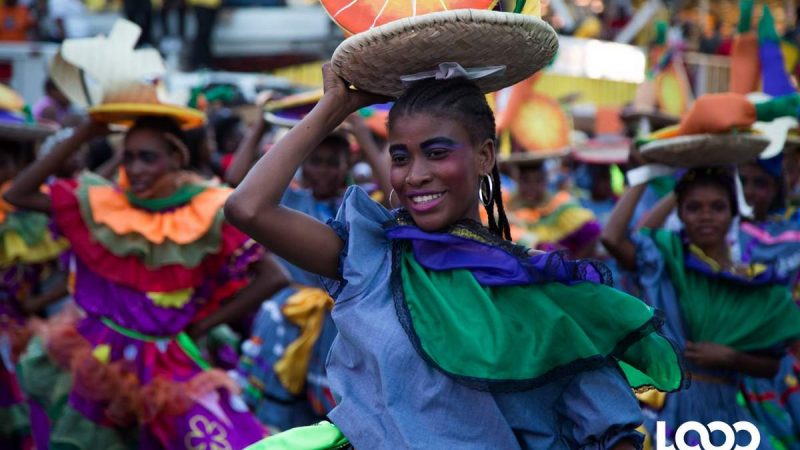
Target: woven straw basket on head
<point x="375" y="60"/>
<point x="705" y="150"/>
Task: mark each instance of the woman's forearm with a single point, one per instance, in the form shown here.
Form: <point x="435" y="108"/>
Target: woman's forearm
<point x="25" y="193"/>
<point x="656" y="217"/>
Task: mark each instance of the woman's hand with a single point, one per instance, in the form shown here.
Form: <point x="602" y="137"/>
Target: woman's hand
<point x="25" y="192"/>
<point x="710" y="355"/>
<point x="341" y="96"/>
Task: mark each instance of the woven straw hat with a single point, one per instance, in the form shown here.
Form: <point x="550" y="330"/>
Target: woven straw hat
<point x="375" y="60"/>
<point x="289" y="111"/>
<point x="116" y="83"/>
<point x="705" y="149"/>
<point x="610" y="150"/>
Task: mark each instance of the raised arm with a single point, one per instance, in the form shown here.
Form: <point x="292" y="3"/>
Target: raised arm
<point x="246" y="153"/>
<point x="615" y="237"/>
<point x="255" y="207"/>
<point x="25" y="193"/>
<point x="656" y="217"/>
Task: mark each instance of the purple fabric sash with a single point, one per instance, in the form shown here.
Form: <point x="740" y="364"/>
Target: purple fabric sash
<point x="495" y="262"/>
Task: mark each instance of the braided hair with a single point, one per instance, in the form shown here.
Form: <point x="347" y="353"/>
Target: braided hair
<point x="461" y="100"/>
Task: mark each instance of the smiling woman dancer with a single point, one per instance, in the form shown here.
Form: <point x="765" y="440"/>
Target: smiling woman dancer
<point x="436" y="312"/>
<point x="154" y="263"/>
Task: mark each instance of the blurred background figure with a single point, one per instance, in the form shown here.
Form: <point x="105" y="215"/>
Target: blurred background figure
<point x="205" y="13"/>
<point x="54" y="106"/>
<point x="140" y="12"/>
<point x="66" y="19"/>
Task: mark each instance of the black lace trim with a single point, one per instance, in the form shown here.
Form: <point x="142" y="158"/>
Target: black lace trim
<point x="504" y="386"/>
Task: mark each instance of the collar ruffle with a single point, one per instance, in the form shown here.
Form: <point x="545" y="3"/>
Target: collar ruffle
<point x="181" y="224"/>
<point x="753" y="274"/>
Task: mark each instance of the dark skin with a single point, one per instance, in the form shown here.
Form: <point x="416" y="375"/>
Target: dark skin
<point x="427" y="155"/>
<point x="313" y="246"/>
<point x="150" y="164"/>
<point x="601" y="184"/>
<point x="325" y="171"/>
<point x="706" y="213"/>
<point x="760" y="189"/>
<point x="8" y="167"/>
<point x="532" y="185"/>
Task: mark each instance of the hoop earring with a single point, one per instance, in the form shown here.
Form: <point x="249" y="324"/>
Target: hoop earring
<point x="486" y="190"/>
<point x="391" y="195"/>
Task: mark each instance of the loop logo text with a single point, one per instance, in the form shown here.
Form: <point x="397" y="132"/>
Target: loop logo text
<point x="704" y="434"/>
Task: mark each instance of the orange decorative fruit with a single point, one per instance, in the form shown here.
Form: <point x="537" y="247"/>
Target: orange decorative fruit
<point x="541" y="124"/>
<point x="356" y="16"/>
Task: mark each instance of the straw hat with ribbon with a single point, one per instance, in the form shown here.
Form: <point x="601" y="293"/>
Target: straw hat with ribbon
<point x="289" y="111"/>
<point x="17" y="122"/>
<point x="116" y="83"/>
<point x="437" y="40"/>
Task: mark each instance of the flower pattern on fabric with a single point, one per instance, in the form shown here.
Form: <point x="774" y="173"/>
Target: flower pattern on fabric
<point x="206" y="434"/>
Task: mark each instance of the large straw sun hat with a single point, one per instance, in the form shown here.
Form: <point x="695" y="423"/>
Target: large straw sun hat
<point x="704" y="149"/>
<point x="379" y="59"/>
<point x="116" y="83"/>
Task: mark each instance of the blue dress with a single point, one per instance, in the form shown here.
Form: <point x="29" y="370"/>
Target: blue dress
<point x="389" y="397"/>
<point x="712" y="395"/>
<point x="272" y="333"/>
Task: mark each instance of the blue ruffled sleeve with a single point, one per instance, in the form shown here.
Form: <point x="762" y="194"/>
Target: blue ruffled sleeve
<point x="654" y="279"/>
<point x="360" y="224"/>
<point x="649" y="260"/>
<point x="600" y="410"/>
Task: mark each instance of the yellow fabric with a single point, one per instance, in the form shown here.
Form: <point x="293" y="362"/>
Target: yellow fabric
<point x="531" y="215"/>
<point x="184" y="225"/>
<point x="306" y="309"/>
<point x="653" y="398"/>
<point x="528" y="227"/>
<point x="15" y="250"/>
<point x="102" y="353"/>
<point x="175" y="299"/>
<point x="214" y="4"/>
<point x="750" y="271"/>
